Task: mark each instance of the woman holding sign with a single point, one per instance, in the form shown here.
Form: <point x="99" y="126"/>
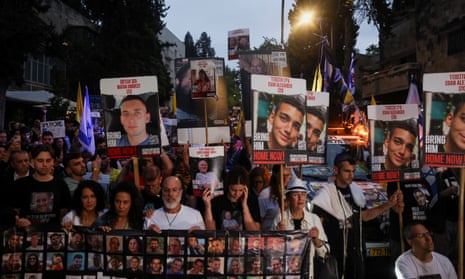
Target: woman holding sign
<point x="297" y="217"/>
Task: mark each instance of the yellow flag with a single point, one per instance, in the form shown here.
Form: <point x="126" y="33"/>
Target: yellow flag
<point x="373" y="101"/>
<point x="348" y="98"/>
<point x="79" y="104"/>
<point x="173" y="103"/>
<point x="317" y="80"/>
<point x="239" y="124"/>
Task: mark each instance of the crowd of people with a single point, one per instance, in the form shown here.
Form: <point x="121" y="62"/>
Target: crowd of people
<point x="41" y="188"/>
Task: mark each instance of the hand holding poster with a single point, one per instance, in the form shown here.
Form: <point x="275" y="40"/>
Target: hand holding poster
<point x="394" y="142"/>
<point x="444" y="109"/>
<point x="131" y="116"/>
<point x="279" y="120"/>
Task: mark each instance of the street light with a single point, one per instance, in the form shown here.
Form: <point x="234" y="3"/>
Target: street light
<point x="282" y="23"/>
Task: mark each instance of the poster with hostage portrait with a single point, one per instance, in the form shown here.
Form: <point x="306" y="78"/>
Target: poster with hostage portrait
<point x="132" y="119"/>
<point x="207" y="164"/>
<point x="394" y="142"/>
<point x="278" y="124"/>
<point x="263" y="62"/>
<point x="316" y="119"/>
<point x="238" y="40"/>
<point x="444" y="109"/>
<point x="203" y="78"/>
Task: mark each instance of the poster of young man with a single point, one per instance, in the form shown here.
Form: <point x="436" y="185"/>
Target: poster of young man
<point x="394" y="142"/>
<point x="206" y="169"/>
<point x="238" y="40"/>
<point x="444" y="125"/>
<point x="278" y="125"/>
<point x="132" y="119"/>
<point x="316" y="118"/>
<point x="263" y="62"/>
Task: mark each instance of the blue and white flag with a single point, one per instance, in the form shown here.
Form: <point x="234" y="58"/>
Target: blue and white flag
<point x="351" y="75"/>
<point x="86" y="132"/>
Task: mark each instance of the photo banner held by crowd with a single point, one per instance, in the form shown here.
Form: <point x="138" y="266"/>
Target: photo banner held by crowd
<point x="444" y="103"/>
<point x="147" y="254"/>
<point x="132" y="117"/>
<point x="207" y="164"/>
<point x="279" y="120"/>
<point x="316" y="119"/>
<point x="394" y="142"/>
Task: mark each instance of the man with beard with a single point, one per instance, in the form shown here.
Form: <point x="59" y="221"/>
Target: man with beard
<point x="173" y="215"/>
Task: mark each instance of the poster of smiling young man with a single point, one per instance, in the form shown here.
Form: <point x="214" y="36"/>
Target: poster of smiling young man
<point x="132" y="120"/>
<point x="316" y="119"/>
<point x="444" y="112"/>
<point x="278" y="125"/>
<point x="394" y="142"/>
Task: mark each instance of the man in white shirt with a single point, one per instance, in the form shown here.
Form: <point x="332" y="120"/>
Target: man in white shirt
<point x="173" y="215"/>
<point x="421" y="261"/>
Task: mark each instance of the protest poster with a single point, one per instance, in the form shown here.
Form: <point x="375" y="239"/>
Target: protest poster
<point x="444" y="107"/>
<point x="57" y="128"/>
<point x="238" y="40"/>
<point x="279" y="120"/>
<point x="394" y="142"/>
<point x="260" y="62"/>
<point x="316" y="119"/>
<point x="132" y="118"/>
<point x="207" y="165"/>
<point x="207" y="109"/>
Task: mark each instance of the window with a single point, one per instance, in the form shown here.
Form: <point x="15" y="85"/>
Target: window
<point x="37" y="69"/>
<point x="456" y="41"/>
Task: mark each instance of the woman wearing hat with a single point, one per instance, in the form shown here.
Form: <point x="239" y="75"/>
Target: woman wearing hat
<point x="298" y="217"/>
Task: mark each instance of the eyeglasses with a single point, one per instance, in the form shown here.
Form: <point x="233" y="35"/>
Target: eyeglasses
<point x="422" y="235"/>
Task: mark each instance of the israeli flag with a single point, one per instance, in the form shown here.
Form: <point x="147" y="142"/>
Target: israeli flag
<point x="86" y="131"/>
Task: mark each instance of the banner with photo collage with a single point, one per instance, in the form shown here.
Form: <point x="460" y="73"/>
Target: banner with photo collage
<point x="83" y="253"/>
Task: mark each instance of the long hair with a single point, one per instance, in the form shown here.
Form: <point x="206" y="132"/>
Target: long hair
<point x="95" y="187"/>
<point x="135" y="212"/>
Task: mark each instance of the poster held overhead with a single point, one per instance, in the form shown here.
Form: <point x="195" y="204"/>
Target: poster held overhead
<point x="279" y="120"/>
<point x="132" y="119"/>
<point x="394" y="142"/>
